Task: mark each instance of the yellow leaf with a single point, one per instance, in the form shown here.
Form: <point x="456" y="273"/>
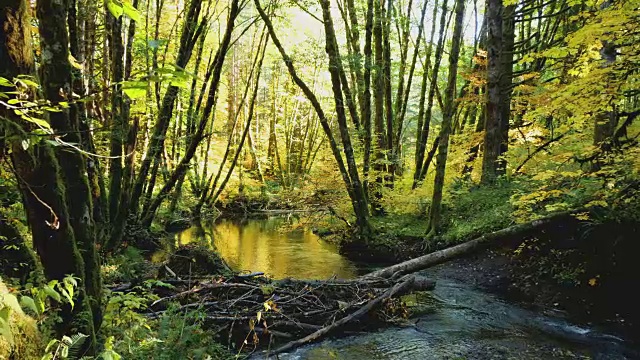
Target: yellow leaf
<point x="74" y="62"/>
<point x="593" y="282"/>
<point x="582" y="216"/>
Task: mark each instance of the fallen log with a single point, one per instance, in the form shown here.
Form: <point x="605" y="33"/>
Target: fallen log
<point x="482" y="242"/>
<point x="264" y="310"/>
<point x="403" y="285"/>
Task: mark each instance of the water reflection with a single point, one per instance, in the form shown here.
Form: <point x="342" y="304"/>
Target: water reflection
<point x="259" y="245"/>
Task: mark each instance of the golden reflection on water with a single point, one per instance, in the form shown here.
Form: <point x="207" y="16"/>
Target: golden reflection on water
<point x="258" y="245"/>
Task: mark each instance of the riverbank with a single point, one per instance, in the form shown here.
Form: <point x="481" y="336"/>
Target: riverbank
<point x="581" y="270"/>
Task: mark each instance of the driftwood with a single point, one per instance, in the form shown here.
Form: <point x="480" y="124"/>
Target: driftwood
<point x="404" y="285"/>
<point x="484" y="241"/>
<point x="252" y="311"/>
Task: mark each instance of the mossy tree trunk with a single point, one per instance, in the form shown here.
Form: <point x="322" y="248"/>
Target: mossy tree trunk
<point x="494" y="114"/>
<point x="59" y="216"/>
<point x="16" y="258"/>
<point x="378" y="100"/>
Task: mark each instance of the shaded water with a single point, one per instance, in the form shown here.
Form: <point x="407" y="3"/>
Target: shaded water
<point x="455" y="321"/>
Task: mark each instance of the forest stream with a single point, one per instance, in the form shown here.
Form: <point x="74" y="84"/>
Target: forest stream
<point x="456" y="321"/>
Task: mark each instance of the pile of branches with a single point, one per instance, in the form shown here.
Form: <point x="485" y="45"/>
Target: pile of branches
<point x="253" y="312"/>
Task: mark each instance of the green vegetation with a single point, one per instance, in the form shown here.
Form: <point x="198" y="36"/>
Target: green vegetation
<point x="397" y="127"/>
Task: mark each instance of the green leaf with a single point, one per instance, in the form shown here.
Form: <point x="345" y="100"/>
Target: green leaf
<point x="5" y="82"/>
<point x="64" y="352"/>
<point x="74" y="62"/>
<point x="5" y="329"/>
<point x="40" y="122"/>
<point x="4" y="313"/>
<point x="69" y="287"/>
<point x="71" y="280"/>
<point x="76" y="344"/>
<point x="52" y="293"/>
<point x="51" y="344"/>
<point x="135" y="89"/>
<point x="27" y="81"/>
<point x="130" y="11"/>
<point x="115" y="8"/>
<point x="68" y="297"/>
<point x="27" y="302"/>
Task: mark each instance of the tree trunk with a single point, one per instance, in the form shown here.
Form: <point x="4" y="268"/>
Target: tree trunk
<point x="118" y="122"/>
<point x="378" y="99"/>
<point x="388" y="97"/>
<point x="365" y="105"/>
<point x="16" y="258"/>
<point x="359" y="200"/>
<point x="506" y="76"/>
<point x="191" y="31"/>
<point x="447" y="118"/>
<point x="353" y="185"/>
<point x="423" y="131"/>
<point x="404" y="99"/>
<point x="53" y="225"/>
<point x="493" y="120"/>
<point x="198" y="136"/>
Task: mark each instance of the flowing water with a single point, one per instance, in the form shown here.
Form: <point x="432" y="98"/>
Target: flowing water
<point x="455" y="321"/>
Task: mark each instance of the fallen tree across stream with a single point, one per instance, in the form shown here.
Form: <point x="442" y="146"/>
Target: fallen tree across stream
<point x="481" y="242"/>
<point x="252" y="312"/>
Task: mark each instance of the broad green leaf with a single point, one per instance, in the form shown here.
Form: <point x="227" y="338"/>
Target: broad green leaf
<point x="71" y="280"/>
<point x="135" y="89"/>
<point x="115" y="8"/>
<point x="40" y="122"/>
<point x="64" y="352"/>
<point x="28" y="303"/>
<point x="130" y="11"/>
<point x="52" y="293"/>
<point x="27" y="81"/>
<point x="135" y="93"/>
<point x="68" y="297"/>
<point x="5" y="331"/>
<point x="69" y="287"/>
<point x="5" y="82"/>
<point x="50" y="345"/>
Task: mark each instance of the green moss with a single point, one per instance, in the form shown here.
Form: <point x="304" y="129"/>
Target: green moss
<point x="27" y="340"/>
<point x="472" y="211"/>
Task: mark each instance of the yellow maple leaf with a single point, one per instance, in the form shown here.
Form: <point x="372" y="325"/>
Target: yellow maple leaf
<point x="593" y="282"/>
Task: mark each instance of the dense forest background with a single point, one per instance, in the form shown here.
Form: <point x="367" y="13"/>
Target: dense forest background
<point x="437" y="120"/>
